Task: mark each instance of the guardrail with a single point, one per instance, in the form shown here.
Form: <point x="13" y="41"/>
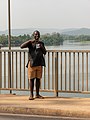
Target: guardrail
<point x="65" y="71"/>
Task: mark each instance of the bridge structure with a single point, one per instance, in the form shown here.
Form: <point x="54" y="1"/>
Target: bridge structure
<point x="66" y="71"/>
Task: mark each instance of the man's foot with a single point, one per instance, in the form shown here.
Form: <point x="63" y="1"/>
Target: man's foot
<point x="31" y="98"/>
<point x="39" y="96"/>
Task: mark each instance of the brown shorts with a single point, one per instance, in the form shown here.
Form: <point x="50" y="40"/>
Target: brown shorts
<point x="34" y="72"/>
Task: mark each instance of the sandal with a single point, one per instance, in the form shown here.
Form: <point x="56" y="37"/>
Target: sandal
<point x="31" y="98"/>
<point x="39" y="96"/>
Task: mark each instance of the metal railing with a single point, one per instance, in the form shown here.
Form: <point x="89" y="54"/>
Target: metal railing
<point x="65" y="71"/>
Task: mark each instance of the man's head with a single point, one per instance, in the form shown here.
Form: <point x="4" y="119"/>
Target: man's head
<point x="36" y="35"/>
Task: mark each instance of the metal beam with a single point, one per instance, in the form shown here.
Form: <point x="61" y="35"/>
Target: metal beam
<point x="9" y="26"/>
<point x="9" y="45"/>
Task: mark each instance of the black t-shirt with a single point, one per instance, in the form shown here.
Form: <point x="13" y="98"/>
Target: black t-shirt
<point x="36" y="55"/>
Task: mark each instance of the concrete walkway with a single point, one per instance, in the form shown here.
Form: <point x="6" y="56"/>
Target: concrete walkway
<point x="75" y="107"/>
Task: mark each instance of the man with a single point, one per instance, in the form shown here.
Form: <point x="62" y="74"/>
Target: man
<point x="35" y="62"/>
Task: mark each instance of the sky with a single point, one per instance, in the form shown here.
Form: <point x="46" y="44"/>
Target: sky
<point x="60" y="14"/>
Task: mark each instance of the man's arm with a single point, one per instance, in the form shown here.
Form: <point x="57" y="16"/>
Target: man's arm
<point x="26" y="44"/>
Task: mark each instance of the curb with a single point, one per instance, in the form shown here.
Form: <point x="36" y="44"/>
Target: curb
<point x="44" y="111"/>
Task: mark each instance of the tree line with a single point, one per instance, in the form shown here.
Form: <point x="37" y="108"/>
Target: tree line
<point x="53" y="39"/>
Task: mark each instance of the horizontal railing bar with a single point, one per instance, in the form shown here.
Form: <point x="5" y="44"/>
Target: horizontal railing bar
<point x="17" y="89"/>
<point x="80" y="51"/>
<point x="62" y="91"/>
<point x="26" y="50"/>
<point x="14" y="50"/>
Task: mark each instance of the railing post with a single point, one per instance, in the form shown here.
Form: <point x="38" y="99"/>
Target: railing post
<point x="9" y="71"/>
<point x="0" y="70"/>
<point x="56" y="74"/>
